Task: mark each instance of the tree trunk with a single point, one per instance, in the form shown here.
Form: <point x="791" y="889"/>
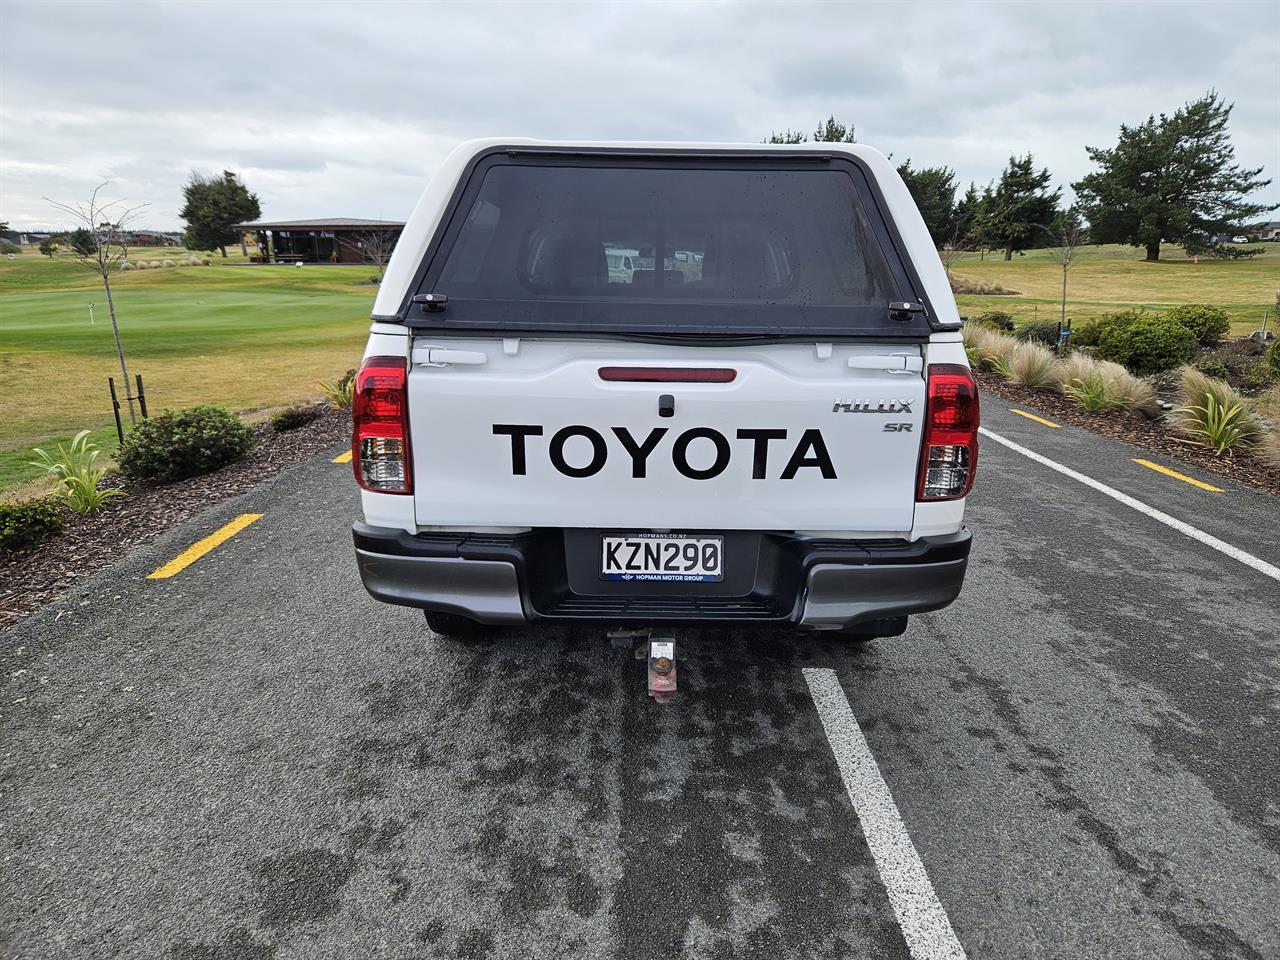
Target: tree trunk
<point x="223" y="248"/>
<point x="244" y="248"/>
<point x="1153" y="250"/>
<point x="1008" y="250"/>
<point x="115" y="329"/>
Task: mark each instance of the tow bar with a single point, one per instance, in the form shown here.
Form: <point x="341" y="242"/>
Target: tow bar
<point x="660" y="654"/>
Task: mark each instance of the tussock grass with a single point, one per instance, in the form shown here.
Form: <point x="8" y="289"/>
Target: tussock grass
<point x="989" y="349"/>
<point x="1102" y="385"/>
<point x="1035" y="366"/>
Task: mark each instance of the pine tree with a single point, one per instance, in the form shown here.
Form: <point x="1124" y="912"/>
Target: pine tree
<point x="829" y="131"/>
<point x="934" y="191"/>
<point x="1019" y="208"/>
<point x="213" y="205"/>
<point x="1175" y="179"/>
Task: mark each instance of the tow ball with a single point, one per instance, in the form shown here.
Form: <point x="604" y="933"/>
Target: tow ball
<point x="659" y="654"/>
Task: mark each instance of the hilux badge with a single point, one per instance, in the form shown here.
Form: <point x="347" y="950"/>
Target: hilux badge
<point x="871" y="406"/>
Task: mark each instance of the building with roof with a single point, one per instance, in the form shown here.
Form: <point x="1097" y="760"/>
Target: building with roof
<point x="335" y="240"/>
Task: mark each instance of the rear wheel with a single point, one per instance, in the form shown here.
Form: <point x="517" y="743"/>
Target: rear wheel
<point x="451" y="626"/>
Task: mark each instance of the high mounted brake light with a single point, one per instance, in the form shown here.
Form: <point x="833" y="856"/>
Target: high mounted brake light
<point x="949" y="455"/>
<point x="380" y="431"/>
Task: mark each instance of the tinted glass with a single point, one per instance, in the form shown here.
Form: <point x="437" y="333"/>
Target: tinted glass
<point x="788" y="237"/>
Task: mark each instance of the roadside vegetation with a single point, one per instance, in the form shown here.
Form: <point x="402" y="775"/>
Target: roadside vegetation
<point x="1158" y="367"/>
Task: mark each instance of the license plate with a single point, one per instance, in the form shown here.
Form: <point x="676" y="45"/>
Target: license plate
<point x="656" y="556"/>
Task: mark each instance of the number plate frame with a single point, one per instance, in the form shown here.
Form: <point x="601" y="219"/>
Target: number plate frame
<point x="636" y="566"/>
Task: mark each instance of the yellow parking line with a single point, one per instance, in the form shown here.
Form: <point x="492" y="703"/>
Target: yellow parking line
<point x="1179" y="476"/>
<point x="1032" y="416"/>
<point x="198" y="550"/>
<point x="344" y="457"/>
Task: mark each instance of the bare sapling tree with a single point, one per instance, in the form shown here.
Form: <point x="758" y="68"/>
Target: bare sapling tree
<point x="1069" y="232"/>
<point x="376" y="247"/>
<point x="100" y="243"/>
<point x="951" y="249"/>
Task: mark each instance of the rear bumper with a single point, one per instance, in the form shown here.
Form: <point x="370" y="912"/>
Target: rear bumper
<point x="550" y="575"/>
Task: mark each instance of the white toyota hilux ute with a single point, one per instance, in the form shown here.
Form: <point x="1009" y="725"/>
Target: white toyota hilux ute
<point x="765" y="416"/>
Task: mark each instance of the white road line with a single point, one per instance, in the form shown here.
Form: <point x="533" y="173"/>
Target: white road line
<point x="924" y="923"/>
<point x="1235" y="553"/>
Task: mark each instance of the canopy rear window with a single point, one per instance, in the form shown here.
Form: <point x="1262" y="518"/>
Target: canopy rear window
<point x="618" y="244"/>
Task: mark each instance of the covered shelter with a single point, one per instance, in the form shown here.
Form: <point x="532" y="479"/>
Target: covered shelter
<point x="333" y="240"/>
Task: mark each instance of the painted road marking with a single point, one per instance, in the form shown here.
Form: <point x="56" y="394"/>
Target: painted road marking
<point x="344" y="457"/>
<point x="924" y="923"/>
<point x="1248" y="559"/>
<point x="198" y="550"/>
<point x="1032" y="416"/>
<point x="1178" y="476"/>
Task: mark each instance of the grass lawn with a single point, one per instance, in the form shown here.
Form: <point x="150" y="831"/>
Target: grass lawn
<point x="248" y="337"/>
<point x="1110" y="278"/>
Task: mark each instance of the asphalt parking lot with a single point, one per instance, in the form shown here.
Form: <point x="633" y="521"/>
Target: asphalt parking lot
<point x="252" y="759"/>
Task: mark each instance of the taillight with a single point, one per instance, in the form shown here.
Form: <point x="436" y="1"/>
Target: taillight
<point x="380" y="431"/>
<point x="949" y="456"/>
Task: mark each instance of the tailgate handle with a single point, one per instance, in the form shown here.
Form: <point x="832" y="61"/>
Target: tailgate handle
<point x="891" y="363"/>
<point x="442" y="357"/>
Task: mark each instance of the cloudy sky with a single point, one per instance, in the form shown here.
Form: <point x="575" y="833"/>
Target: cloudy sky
<point x="344" y="109"/>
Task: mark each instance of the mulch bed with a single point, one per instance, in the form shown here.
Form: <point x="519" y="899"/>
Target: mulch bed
<point x="1153" y="435"/>
<point x="32" y="578"/>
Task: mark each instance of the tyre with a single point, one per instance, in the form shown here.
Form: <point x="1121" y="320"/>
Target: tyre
<point x="451" y="626"/>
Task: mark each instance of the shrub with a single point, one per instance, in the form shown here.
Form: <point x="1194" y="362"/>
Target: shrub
<point x="168" y="263"/>
<point x="126" y="265"/>
<point x="293" y="417"/>
<point x="995" y="319"/>
<point x="142" y="265"/>
<point x="29" y="523"/>
<point x="1038" y="331"/>
<point x="1214" y="414"/>
<point x="76" y="475"/>
<point x="8" y="246"/>
<point x="1090" y="334"/>
<point x="1147" y="344"/>
<point x="1273" y="360"/>
<point x="338" y="393"/>
<point x="206" y="262"/>
<point x="1212" y="368"/>
<point x="1035" y="366"/>
<point x="184" y="443"/>
<point x="1208" y="324"/>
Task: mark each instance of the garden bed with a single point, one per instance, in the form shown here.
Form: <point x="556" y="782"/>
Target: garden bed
<point x="1153" y="435"/>
<point x="31" y="578"/>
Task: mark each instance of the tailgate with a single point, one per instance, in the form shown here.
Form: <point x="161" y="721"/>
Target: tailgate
<point x="529" y="433"/>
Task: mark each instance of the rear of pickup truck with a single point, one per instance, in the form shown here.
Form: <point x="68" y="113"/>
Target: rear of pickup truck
<point x="656" y="384"/>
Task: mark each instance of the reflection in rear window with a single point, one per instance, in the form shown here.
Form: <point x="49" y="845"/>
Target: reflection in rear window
<point x="794" y="237"/>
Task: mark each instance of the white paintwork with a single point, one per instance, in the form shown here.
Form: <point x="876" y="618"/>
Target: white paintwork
<point x="1195" y="533"/>
<point x="924" y="923"/>
<point x="463" y="472"/>
<point x="417" y="234"/>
